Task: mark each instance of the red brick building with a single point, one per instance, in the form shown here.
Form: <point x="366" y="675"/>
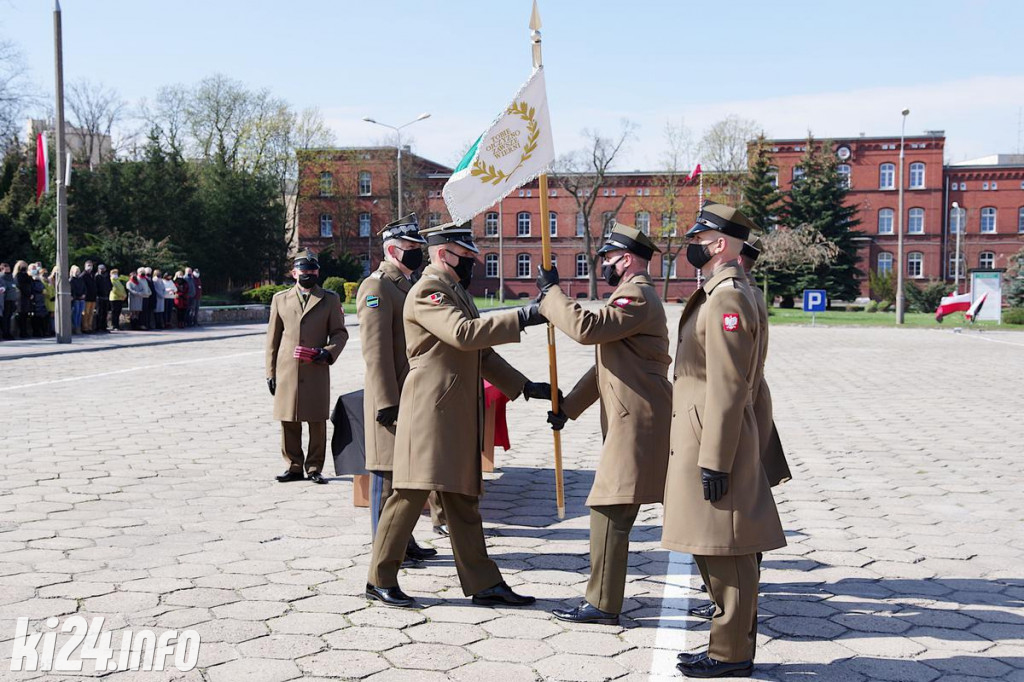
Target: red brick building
<point x="346" y="195"/>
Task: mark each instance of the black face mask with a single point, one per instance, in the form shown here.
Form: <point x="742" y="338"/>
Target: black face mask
<point x="610" y="275"/>
<point x="464" y="270"/>
<point x="307" y="281"/>
<point x="412" y="259"/>
<point x="698" y="255"/>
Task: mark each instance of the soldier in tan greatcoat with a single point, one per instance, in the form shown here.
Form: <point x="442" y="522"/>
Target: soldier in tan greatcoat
<point x="718" y="503"/>
<point x="379" y="304"/>
<point x="630" y="378"/>
<point x="440" y="419"/>
<point x="305" y="335"/>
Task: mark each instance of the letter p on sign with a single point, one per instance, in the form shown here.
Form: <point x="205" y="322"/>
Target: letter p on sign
<point x="814" y="300"/>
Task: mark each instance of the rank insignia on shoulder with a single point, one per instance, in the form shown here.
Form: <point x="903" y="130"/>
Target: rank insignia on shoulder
<point x="730" y="322"/>
<point x="622" y="302"/>
<point x="437" y="298"/>
<point x="372" y="301"/>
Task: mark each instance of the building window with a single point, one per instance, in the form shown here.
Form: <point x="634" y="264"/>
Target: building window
<point x="491" y="224"/>
<point x="582" y="265"/>
<point x="580" y="226"/>
<point x="608" y="219"/>
<point x="987" y="260"/>
<point x="884" y="263"/>
<point x="666" y="261"/>
<point x="554" y="261"/>
<point x="365" y="186"/>
<point x="885" y="221"/>
<point x="988" y="220"/>
<point x="433" y="219"/>
<point x="887" y="176"/>
<point x="957" y="219"/>
<point x="984" y="186"/>
<point x="917" y="175"/>
<point x="773" y="177"/>
<point x="364" y="224"/>
<point x="1020" y="220"/>
<point x="915" y="264"/>
<point x="643" y="222"/>
<point x="798" y="173"/>
<point x="326" y="184"/>
<point x="995" y="186"/>
<point x="844" y="175"/>
<point x="523" y="224"/>
<point x="491" y="266"/>
<point x="523" y="265"/>
<point x="326" y="225"/>
<point x="668" y="223"/>
<point x="915" y="221"/>
<point x="553" y="223"/>
<point x="953" y="266"/>
<point x="364" y="260"/>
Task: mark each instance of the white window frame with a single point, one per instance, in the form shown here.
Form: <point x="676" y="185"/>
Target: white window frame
<point x="523" y="266"/>
<point x="773" y="177"/>
<point x="326" y="184"/>
<point x="491" y="224"/>
<point x="491" y="266"/>
<point x="989" y="256"/>
<point x="669" y="220"/>
<point x="1020" y="220"/>
<point x="643" y="222"/>
<point x="365" y="224"/>
<point x="892" y="217"/>
<point x="988" y="220"/>
<point x="365" y="184"/>
<point x="957" y="219"/>
<point x="607" y="221"/>
<point x="433" y="219"/>
<point x="664" y="266"/>
<point x="798" y="172"/>
<point x="915" y="258"/>
<point x="917" y="174"/>
<point x="582" y="266"/>
<point x="953" y="264"/>
<point x="845" y="176"/>
<point x="553" y="223"/>
<point x="915" y="214"/>
<point x="364" y="260"/>
<point x="887" y="175"/>
<point x="326" y="225"/>
<point x="523" y="224"/>
<point x="580" y="227"/>
<point x="883" y="264"/>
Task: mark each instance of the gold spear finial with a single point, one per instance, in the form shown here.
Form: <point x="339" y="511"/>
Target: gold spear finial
<point x="535" y="35"/>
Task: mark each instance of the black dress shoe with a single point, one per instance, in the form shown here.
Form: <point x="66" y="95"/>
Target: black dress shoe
<point x="416" y="553"/>
<point x="705" y="611"/>
<point x="290" y="476"/>
<point x="690" y="658"/>
<point x="442" y="529"/>
<point x="705" y="666"/>
<point x="392" y="596"/>
<point x="586" y="613"/>
<point x="501" y="595"/>
<point x="317" y="478"/>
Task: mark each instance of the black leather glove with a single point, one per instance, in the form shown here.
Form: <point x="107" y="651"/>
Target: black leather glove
<point x="323" y="357"/>
<point x="272" y="385"/>
<point x="716" y="484"/>
<point x="529" y="316"/>
<point x="557" y="421"/>
<point x="546" y="278"/>
<point x="387" y="416"/>
<point x="534" y="389"/>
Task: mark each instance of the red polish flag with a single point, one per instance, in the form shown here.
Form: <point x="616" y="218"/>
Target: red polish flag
<point x="694" y="173"/>
<point x="42" y="167"/>
<point x="953" y="303"/>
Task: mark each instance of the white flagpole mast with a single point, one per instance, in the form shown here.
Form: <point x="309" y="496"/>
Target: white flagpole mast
<point x="63" y="303"/>
<point x="545" y="240"/>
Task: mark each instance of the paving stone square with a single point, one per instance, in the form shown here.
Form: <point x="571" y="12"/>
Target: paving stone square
<point x="137" y="484"/>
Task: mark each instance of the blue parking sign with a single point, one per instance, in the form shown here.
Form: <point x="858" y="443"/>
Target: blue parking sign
<point x="814" y="300"/>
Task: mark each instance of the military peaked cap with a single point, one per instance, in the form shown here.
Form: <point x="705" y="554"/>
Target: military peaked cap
<point x="629" y="239"/>
<point x="407" y="228"/>
<point x="724" y="219"/>
<point x="450" y="233"/>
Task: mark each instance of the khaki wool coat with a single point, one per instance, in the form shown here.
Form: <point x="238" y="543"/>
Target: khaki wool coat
<point x="379" y="305"/>
<point x="773" y="457"/>
<point x="303" y="391"/>
<point x="440" y="415"/>
<point x="631" y="379"/>
<point x="713" y="427"/>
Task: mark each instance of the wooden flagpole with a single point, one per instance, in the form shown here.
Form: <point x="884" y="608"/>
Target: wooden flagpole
<point x="545" y="240"/>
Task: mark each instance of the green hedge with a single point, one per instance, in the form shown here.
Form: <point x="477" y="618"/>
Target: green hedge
<point x="264" y="294"/>
<point x="1014" y="316"/>
<point x="337" y="285"/>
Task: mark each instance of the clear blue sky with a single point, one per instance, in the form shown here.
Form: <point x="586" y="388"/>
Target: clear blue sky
<point x="835" y="68"/>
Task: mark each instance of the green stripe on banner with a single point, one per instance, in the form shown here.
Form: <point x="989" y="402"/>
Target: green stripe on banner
<point x="470" y="155"/>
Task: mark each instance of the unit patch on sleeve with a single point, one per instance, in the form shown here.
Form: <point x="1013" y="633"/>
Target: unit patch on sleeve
<point x="372" y="301"/>
<point x="437" y="298"/>
<point x="730" y="322"/>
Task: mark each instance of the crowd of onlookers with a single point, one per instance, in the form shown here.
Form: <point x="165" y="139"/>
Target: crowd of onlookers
<point x="99" y="299"/>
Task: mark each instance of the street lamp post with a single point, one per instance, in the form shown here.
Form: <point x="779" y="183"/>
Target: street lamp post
<point x="899" y="238"/>
<point x="398" y="132"/>
<point x="956" y="266"/>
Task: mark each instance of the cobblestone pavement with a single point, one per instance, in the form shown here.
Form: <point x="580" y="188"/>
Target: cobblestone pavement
<point x="138" y="484"/>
